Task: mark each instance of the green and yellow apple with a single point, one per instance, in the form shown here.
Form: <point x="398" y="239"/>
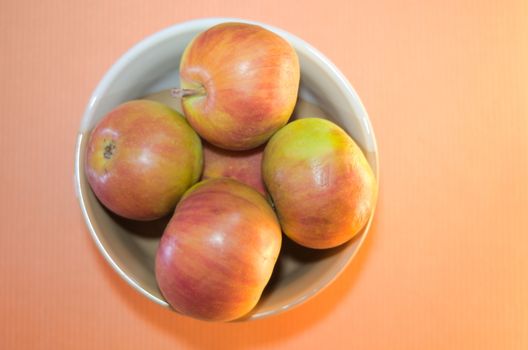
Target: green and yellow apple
<point x="322" y="185"/>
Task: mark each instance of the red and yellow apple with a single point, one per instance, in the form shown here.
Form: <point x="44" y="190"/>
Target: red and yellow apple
<point x="244" y="166"/>
<point x="141" y="158"/>
<point x="239" y="84"/>
<point x="218" y="251"/>
<point x="322" y="185"/>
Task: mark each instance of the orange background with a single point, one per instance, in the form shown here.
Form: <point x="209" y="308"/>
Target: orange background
<point x="446" y="263"/>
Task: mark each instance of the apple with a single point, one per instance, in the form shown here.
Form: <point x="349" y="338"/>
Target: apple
<point x="239" y="84"/>
<point x="244" y="166"/>
<point x="141" y="158"/>
<point x="322" y="186"/>
<point x="218" y="251"/>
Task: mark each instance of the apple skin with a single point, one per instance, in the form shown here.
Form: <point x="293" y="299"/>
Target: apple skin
<point x="247" y="79"/>
<point x="243" y="166"/>
<point x="218" y="251"/>
<point x="141" y="158"/>
<point x="321" y="184"/>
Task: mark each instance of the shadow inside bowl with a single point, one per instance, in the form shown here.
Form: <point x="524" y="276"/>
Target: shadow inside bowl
<point x="144" y="229"/>
<point x="293" y="259"/>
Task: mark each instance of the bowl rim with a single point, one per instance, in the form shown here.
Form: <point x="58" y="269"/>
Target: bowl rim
<point x="199" y="24"/>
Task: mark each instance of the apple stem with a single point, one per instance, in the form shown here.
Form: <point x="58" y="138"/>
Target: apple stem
<point x="180" y="92"/>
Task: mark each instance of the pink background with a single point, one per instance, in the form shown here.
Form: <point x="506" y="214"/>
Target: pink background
<point x="445" y="265"/>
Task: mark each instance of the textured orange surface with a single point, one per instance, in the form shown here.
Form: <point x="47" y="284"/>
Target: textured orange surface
<point x="446" y="263"/>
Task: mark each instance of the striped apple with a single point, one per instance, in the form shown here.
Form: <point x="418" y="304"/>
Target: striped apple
<point x="244" y="166"/>
<point x="218" y="251"/>
<point x="239" y="84"/>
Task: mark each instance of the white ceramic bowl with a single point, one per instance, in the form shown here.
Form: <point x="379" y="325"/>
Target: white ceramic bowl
<point x="151" y="66"/>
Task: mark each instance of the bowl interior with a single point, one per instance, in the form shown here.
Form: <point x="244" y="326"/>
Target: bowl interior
<point x="151" y="67"/>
